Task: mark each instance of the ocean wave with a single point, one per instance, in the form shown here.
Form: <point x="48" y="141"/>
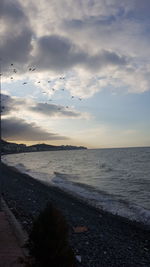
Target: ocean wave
<point x="65" y="176"/>
<point x="105" y="167"/>
<point x="73" y="183"/>
<point x="102" y="200"/>
<point x="18" y="166"/>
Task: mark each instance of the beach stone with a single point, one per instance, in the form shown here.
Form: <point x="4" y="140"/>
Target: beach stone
<point x="78" y="257"/>
<point x="124" y="241"/>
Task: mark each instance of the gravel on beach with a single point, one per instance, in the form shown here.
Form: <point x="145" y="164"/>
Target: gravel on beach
<point x="109" y="241"/>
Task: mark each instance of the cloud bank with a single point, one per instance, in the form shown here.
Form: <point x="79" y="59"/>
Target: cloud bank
<point x="89" y="39"/>
<point x="11" y="105"/>
<point x="15" y="129"/>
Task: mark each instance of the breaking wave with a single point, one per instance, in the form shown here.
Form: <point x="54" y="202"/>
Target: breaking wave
<point x="102" y="200"/>
<point x="115" y="180"/>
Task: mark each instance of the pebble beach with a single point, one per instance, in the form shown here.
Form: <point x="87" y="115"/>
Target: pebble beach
<point x="109" y="240"/>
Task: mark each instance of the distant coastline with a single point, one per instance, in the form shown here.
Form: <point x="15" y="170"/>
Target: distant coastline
<point x="10" y="148"/>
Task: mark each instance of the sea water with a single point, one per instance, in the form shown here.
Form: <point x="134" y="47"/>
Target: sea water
<point x="116" y="180"/>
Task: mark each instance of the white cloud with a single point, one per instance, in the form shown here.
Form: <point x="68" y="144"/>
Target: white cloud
<point x="90" y="39"/>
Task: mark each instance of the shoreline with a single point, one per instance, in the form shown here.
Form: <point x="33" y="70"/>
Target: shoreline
<point x="129" y="216"/>
<point x="111" y="240"/>
<point x="84" y="201"/>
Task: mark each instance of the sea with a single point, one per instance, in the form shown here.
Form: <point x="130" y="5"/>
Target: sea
<point x="115" y="180"/>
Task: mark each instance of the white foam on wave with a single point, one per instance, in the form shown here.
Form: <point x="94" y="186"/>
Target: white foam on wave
<point x="102" y="200"/>
<point x="19" y="166"/>
<point x="66" y="176"/>
<point x="44" y="177"/>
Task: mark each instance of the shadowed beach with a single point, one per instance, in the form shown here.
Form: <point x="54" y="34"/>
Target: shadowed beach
<point x="109" y="240"/>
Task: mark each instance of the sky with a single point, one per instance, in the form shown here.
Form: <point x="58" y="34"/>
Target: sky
<point x="76" y="72"/>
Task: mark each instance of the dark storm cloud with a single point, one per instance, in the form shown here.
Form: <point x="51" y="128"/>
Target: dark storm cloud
<point x="141" y="10"/>
<point x="17" y="48"/>
<point x="60" y="53"/>
<point x="7" y="104"/>
<point x="18" y="129"/>
<point x="80" y="24"/>
<point x="53" y="52"/>
<point x="15" y="45"/>
<point x="10" y="104"/>
<point x="52" y="110"/>
<point x="11" y="10"/>
<point x="105" y="58"/>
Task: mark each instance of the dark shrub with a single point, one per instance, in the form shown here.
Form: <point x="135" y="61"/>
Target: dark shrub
<point x="48" y="241"/>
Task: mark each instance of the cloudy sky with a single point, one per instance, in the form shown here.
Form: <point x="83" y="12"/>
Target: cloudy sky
<point x="76" y="72"/>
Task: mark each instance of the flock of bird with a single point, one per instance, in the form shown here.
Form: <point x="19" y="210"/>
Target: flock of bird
<point x="32" y="69"/>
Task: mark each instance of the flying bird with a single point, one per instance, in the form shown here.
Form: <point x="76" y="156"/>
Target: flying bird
<point x="38" y="82"/>
<point x="24" y="83"/>
<point x="33" y="69"/>
<point x="30" y="69"/>
<point x="11" y="64"/>
<point x="11" y="78"/>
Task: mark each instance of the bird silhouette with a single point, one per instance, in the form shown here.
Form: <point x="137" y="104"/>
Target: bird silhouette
<point x="24" y="83"/>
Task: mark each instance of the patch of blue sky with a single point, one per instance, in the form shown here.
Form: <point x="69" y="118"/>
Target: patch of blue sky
<point x="19" y="89"/>
<point x="120" y="109"/>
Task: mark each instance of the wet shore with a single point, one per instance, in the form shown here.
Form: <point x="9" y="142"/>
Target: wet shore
<point x="109" y="240"/>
